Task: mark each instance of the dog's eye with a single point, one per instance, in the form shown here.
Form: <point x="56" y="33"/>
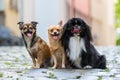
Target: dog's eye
<point x="25" y="28"/>
<point x="30" y="28"/>
<point x="51" y="30"/>
<point x="58" y="30"/>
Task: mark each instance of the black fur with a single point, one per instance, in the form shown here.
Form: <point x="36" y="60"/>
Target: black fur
<point x="20" y="25"/>
<point x="91" y="56"/>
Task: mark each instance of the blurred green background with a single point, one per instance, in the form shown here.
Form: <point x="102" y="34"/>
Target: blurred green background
<point x="117" y="21"/>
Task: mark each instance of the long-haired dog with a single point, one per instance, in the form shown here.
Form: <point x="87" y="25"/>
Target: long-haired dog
<point x="37" y="48"/>
<point x="80" y="52"/>
<point x="54" y="34"/>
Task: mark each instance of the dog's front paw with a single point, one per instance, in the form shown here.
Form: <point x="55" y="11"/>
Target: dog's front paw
<point x="54" y="67"/>
<point x="33" y="66"/>
<point x="38" y="65"/>
<point x="87" y="67"/>
<point x="63" y="66"/>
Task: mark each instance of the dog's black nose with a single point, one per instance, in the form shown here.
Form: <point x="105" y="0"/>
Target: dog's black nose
<point x="76" y="26"/>
<point x="55" y="33"/>
<point x="28" y="30"/>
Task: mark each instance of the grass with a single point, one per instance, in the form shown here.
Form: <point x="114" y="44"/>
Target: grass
<point x="1" y="74"/>
<point x="106" y="70"/>
<point x="30" y="76"/>
<point x="0" y="57"/>
<point x="50" y="68"/>
<point x="17" y="78"/>
<point x="25" y="64"/>
<point x="18" y="71"/>
<point x="78" y="77"/>
<point x="7" y="63"/>
<point x="44" y="72"/>
<point x="16" y="60"/>
<point x="112" y="75"/>
<point x="99" y="77"/>
<point x="51" y="75"/>
<point x="23" y="56"/>
<point x="9" y="76"/>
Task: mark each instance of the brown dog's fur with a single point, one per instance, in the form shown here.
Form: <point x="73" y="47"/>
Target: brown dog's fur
<point x="54" y="34"/>
<point x="37" y="48"/>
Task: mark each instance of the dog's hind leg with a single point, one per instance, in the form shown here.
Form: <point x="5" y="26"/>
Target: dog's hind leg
<point x="47" y="63"/>
<point x="101" y="62"/>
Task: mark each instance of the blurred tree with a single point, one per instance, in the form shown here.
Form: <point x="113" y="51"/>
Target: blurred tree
<point x="117" y="20"/>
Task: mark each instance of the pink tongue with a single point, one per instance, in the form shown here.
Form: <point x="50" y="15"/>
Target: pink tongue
<point x="76" y="30"/>
<point x="55" y="37"/>
<point x="29" y="34"/>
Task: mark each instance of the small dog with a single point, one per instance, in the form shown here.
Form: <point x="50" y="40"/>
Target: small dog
<point x="80" y="52"/>
<point x="37" y="48"/>
<point x="54" y="34"/>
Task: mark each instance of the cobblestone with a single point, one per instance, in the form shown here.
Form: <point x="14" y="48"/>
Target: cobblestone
<point x="15" y="64"/>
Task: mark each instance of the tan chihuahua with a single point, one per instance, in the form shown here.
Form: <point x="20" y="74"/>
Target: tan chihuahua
<point x="54" y="34"/>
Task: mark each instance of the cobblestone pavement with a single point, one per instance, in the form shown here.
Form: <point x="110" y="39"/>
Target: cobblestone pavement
<point x="15" y="64"/>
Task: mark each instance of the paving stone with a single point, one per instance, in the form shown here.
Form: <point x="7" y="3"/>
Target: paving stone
<point x="15" y="64"/>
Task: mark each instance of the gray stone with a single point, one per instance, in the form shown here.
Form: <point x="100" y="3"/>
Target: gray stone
<point x="15" y="64"/>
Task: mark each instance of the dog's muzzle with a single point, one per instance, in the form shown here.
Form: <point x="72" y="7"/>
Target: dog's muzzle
<point x="28" y="33"/>
<point x="76" y="30"/>
<point x="55" y="35"/>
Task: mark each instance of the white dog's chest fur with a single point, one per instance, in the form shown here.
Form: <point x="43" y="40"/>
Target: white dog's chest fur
<point x="28" y="42"/>
<point x="76" y="45"/>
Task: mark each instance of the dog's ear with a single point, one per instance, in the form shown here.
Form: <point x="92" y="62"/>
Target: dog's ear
<point x="60" y="23"/>
<point x="88" y="31"/>
<point x="20" y="25"/>
<point x="34" y="23"/>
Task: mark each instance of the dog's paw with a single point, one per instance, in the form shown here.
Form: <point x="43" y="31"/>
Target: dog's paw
<point x="33" y="66"/>
<point x="53" y="67"/>
<point x="63" y="66"/>
<point x="87" y="67"/>
<point x="37" y="65"/>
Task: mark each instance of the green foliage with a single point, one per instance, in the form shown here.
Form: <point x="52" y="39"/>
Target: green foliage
<point x="117" y="19"/>
<point x="117" y="9"/>
<point x="118" y="40"/>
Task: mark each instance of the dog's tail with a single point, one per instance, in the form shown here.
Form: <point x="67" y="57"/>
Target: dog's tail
<point x="101" y="63"/>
